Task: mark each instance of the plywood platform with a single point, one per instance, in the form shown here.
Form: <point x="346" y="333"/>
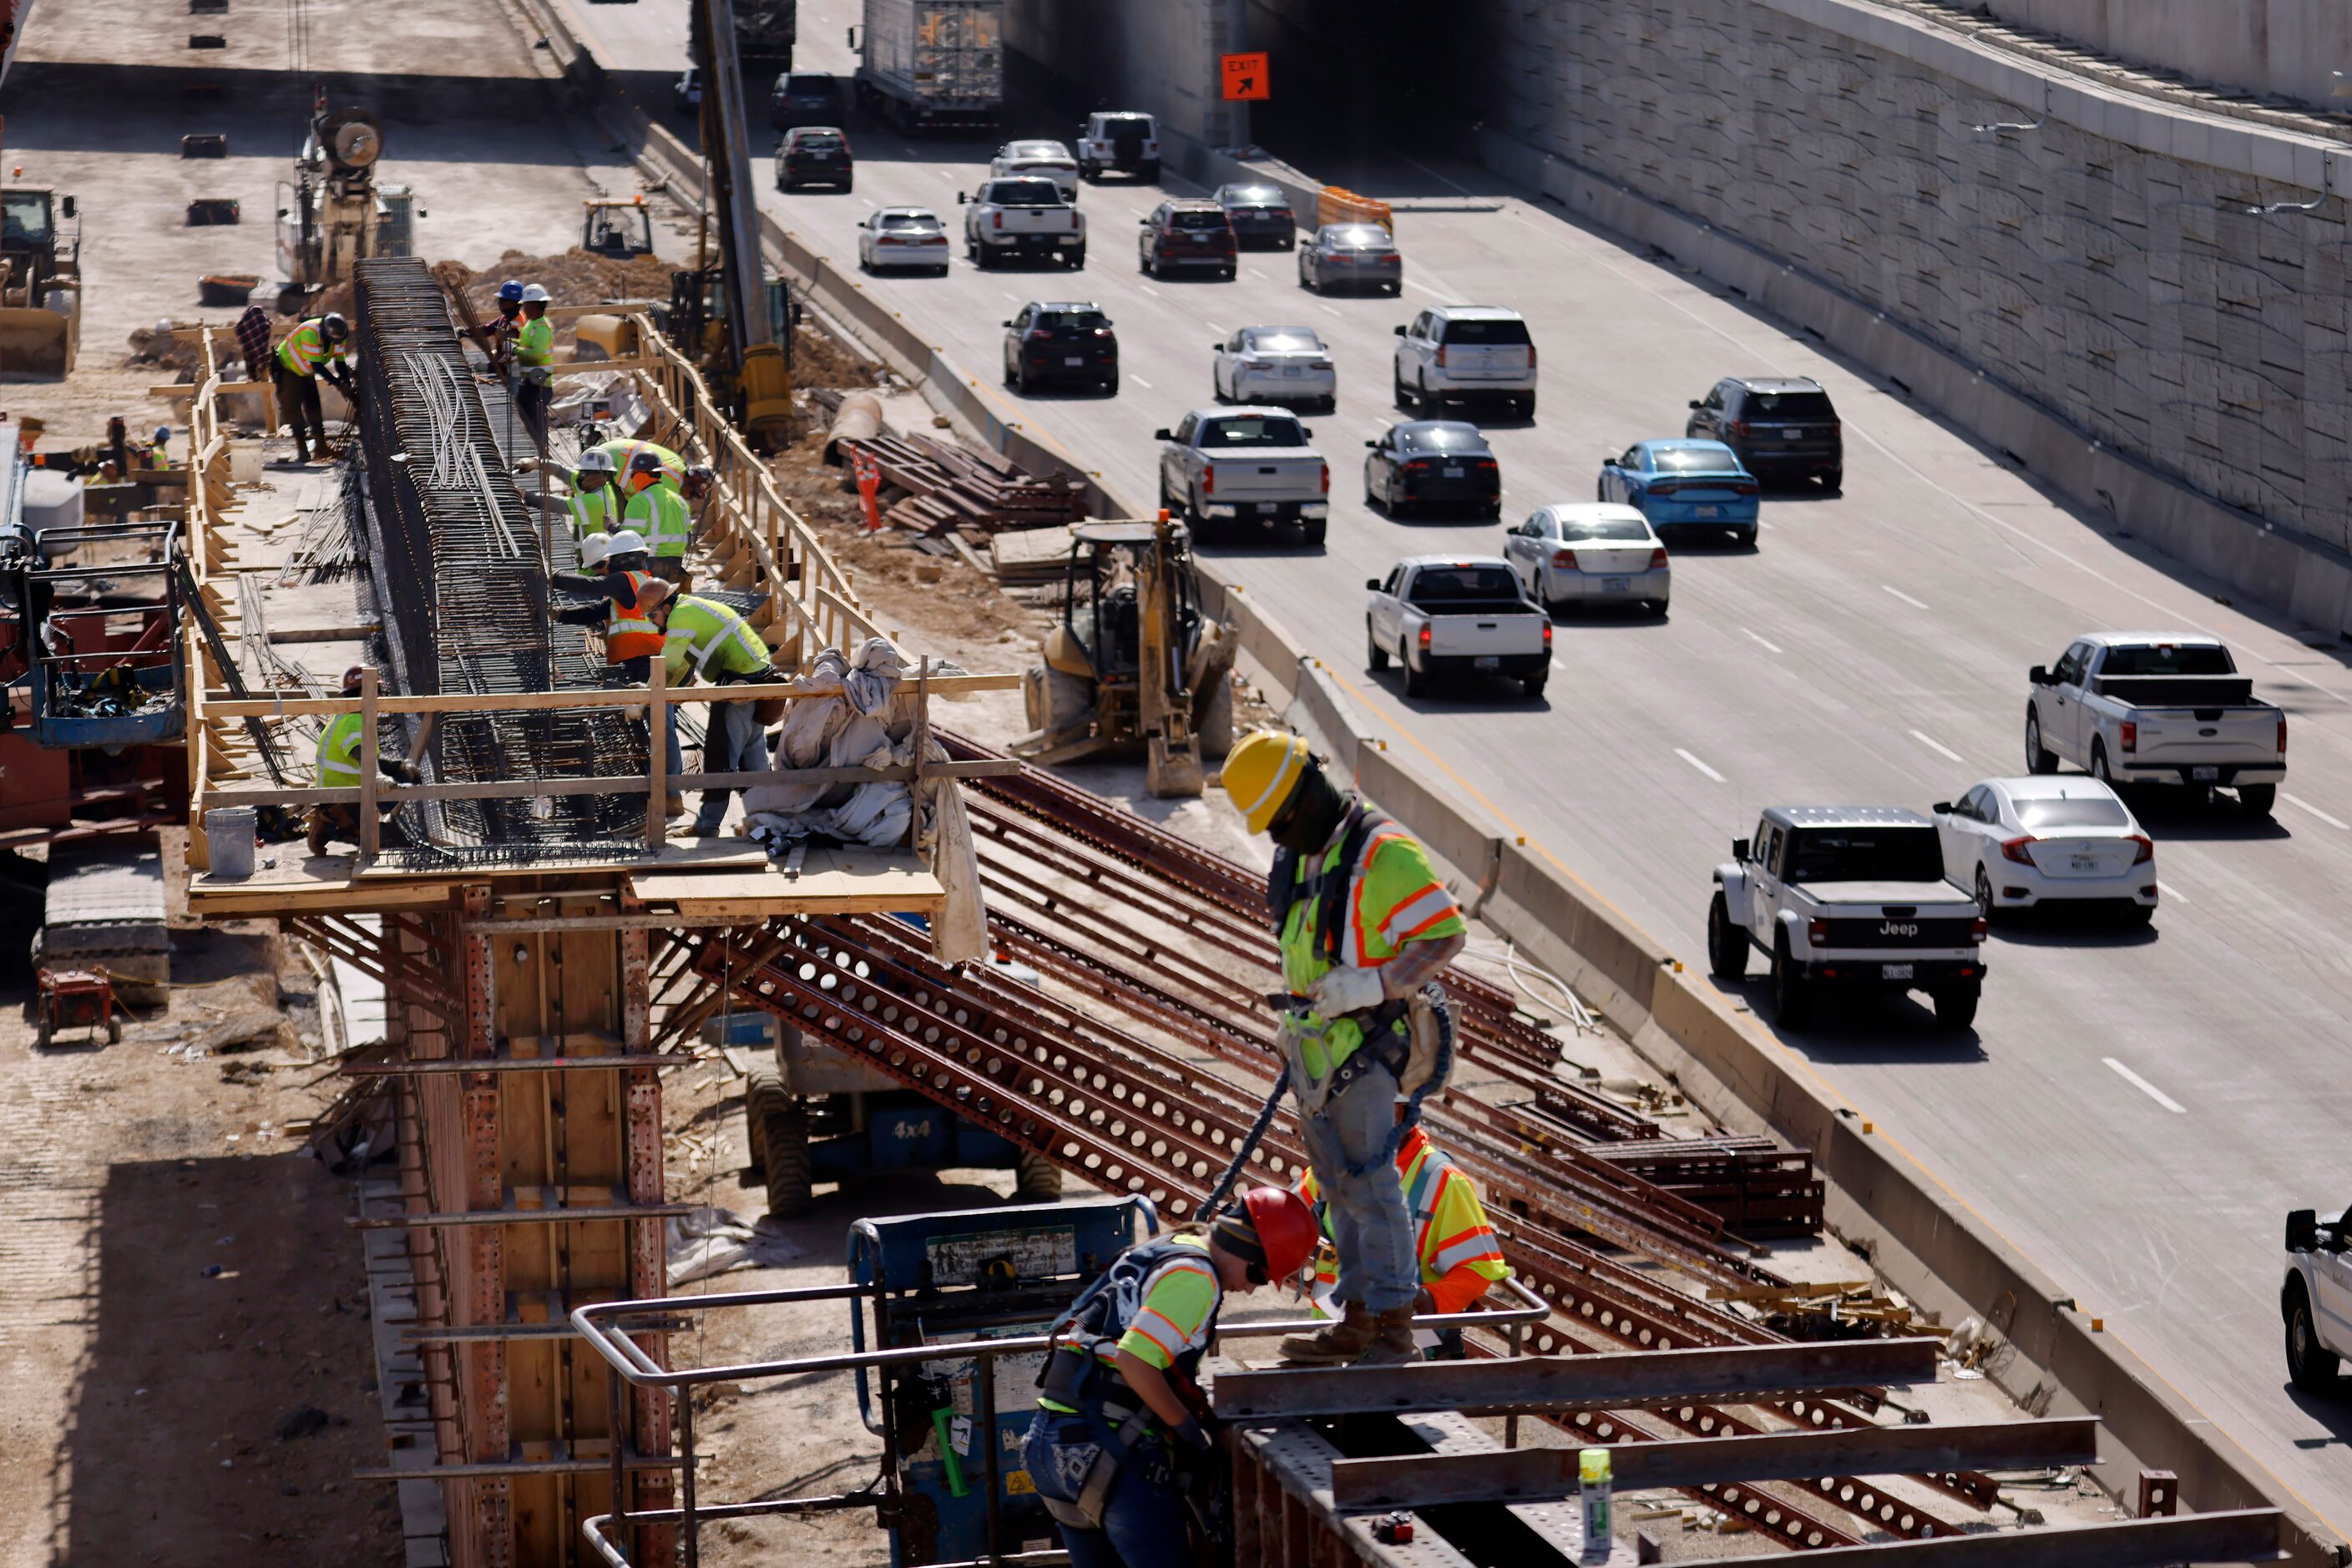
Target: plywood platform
<point x="829" y="881"/>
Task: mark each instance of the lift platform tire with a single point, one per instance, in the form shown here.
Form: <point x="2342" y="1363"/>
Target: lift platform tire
<point x="763" y="1095"/>
<point x="1035" y="1178"/>
<point x="785" y="1157"/>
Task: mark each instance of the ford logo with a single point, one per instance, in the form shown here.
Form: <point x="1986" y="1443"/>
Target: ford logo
<point x="1898" y="928"/>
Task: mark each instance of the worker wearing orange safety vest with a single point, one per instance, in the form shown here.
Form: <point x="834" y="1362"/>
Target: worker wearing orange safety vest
<point x="1461" y="1258"/>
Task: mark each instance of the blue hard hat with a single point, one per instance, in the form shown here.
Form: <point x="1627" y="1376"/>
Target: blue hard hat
<point x="511" y="292"/>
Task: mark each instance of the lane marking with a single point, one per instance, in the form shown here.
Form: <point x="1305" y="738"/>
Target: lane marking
<point x="1137" y="379"/>
<point x="2166" y="890"/>
<point x="1149" y="289"/>
<point x="1327" y="309"/>
<point x="1699" y="765"/>
<point x="2331" y="821"/>
<point x="1934" y="745"/>
<point x="1902" y="596"/>
<point x="2146" y="1088"/>
<point x="1759" y="642"/>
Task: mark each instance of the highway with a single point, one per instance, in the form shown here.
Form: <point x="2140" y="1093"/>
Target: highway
<point x="2135" y="1111"/>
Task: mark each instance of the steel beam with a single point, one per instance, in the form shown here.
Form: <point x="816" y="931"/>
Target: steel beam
<point x="2250" y="1535"/>
<point x="1560" y="1382"/>
<point x="1536" y="1474"/>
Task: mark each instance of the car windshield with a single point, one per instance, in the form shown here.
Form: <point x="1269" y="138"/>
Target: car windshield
<point x="1067" y="320"/>
<point x="1251" y="430"/>
<point x="908" y="220"/>
<point x="2157" y="658"/>
<point x="1865" y="855"/>
<point x="24" y="219"/>
<point x="1050" y="152"/>
<point x="1461" y="585"/>
<point x="2091" y="813"/>
<point x="1197" y="220"/>
<point x="1692" y="461"/>
<point x="1789" y="406"/>
<point x="1253" y="196"/>
<point x="1284" y="341"/>
<point x="1597" y="528"/>
<point x="1444" y="438"/>
<point x="1358" y="236"/>
<point x="1509" y="331"/>
<point x="1025" y="194"/>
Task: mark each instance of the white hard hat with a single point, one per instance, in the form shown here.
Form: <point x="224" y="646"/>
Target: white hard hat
<point x="596" y="460"/>
<point x="625" y="542"/>
<point x="532" y="293"/>
<point x="595" y="548"/>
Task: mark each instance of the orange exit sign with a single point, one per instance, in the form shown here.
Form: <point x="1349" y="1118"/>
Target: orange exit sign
<point x="1244" y="76"/>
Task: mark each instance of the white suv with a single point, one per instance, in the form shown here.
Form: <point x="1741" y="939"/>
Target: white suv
<point x="1125" y="143"/>
<point x="2316" y="1299"/>
<point x="1466" y="352"/>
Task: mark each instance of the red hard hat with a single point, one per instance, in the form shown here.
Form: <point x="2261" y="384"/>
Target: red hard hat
<point x="1285" y="1228"/>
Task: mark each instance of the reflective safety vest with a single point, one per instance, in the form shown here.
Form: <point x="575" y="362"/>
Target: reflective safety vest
<point x="535" y="345"/>
<point x="1160" y="1299"/>
<point x="305" y="348"/>
<point x="1368" y="893"/>
<point x="673" y="464"/>
<point x="591" y="510"/>
<point x="631" y="634"/>
<point x="706" y="639"/>
<point x="1460" y="1256"/>
<point x="659" y="512"/>
<point x="339" y="754"/>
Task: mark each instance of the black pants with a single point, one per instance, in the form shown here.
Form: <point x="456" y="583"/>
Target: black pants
<point x="532" y="399"/>
<point x="298" y="403"/>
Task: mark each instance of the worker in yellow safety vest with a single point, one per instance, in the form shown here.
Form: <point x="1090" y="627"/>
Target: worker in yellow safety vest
<point x="705" y="640"/>
<point x="534" y="354"/>
<point x="662" y="513"/>
<point x="337" y="767"/>
<point x="313" y="348"/>
<point x="159" y="451"/>
<point x="1363" y="925"/>
<point x="1460" y="1259"/>
<point x="594" y="501"/>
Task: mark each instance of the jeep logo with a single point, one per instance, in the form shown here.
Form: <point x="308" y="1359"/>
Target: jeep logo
<point x="1898" y="928"/>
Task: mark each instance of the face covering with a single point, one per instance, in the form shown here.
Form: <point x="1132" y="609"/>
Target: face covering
<point x="1309" y="817"/>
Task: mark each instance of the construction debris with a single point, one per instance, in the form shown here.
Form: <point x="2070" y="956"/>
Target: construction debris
<point x="947" y="486"/>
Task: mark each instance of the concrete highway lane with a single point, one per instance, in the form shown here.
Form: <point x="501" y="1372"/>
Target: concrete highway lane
<point x="2135" y="1109"/>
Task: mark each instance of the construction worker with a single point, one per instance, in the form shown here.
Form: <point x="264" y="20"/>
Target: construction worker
<point x="310" y="350"/>
<point x="703" y="639"/>
<point x="1363" y="924"/>
<point x="497" y="338"/>
<point x="660" y="511"/>
<point x="159" y="451"/>
<point x="534" y="354"/>
<point x="612" y="569"/>
<point x="337" y="767"/>
<point x="1460" y="1258"/>
<point x="622" y="450"/>
<point x="593" y="503"/>
<point x="1119" y="1412"/>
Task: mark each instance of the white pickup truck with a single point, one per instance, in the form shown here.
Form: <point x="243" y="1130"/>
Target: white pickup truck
<point x="1224" y="467"/>
<point x="2157" y="708"/>
<point x="1028" y="215"/>
<point x="2316" y="1299"/>
<point x="1847" y="896"/>
<point x="1450" y="615"/>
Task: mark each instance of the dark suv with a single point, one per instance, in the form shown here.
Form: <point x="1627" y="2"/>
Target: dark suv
<point x="1781" y="426"/>
<point x="814" y="155"/>
<point x="1189" y="233"/>
<point x="1054" y="343"/>
<point x="806" y="98"/>
<point x="1259" y="214"/>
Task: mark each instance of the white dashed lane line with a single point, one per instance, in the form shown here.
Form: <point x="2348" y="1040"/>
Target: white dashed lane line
<point x="1759" y="642"/>
<point x="1902" y="596"/>
<point x="2146" y="1088"/>
<point x="2297" y="801"/>
<point x="1937" y="746"/>
<point x="1699" y="765"/>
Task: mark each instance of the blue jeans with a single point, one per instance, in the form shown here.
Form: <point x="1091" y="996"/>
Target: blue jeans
<point x="1144" y="1518"/>
<point x="732" y="742"/>
<point x="1369" y="1224"/>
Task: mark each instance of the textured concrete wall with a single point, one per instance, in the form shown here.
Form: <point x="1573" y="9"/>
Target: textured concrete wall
<point x="2284" y="47"/>
<point x="1156" y="56"/>
<point x="2107" y="283"/>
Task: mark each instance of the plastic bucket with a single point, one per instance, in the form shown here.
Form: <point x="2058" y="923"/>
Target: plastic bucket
<point x="228" y="836"/>
<point x="244" y="462"/>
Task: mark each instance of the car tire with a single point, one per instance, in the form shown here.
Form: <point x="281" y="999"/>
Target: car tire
<point x="1421" y="401"/>
<point x="1376" y="658"/>
<point x="1233" y="272"/>
<point x="2313" y="1367"/>
<point x="1290" y="242"/>
<point x="2257" y="801"/>
<point x="1416" y="683"/>
<point x="1727" y="945"/>
<point x="1956" y="1005"/>
<point x="1526" y="406"/>
<point x="1984" y="895"/>
<point x="848" y="184"/>
<point x="2099" y="763"/>
<point x="1748" y="538"/>
<point x="1020" y="380"/>
<point x="1656" y="607"/>
<point x="2037" y="760"/>
<point x="1792" y="994"/>
<point x="1077" y="262"/>
<point x="1143" y="261"/>
<point x="1394" y="290"/>
<point x="1833" y="481"/>
<point x="2140" y="915"/>
<point x="1110" y="385"/>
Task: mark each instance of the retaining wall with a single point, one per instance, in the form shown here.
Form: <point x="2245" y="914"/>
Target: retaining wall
<point x="2290" y="48"/>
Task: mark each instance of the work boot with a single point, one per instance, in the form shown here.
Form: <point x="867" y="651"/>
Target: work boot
<point x="1334" y="1344"/>
<point x="674" y="804"/>
<point x="316" y="840"/>
<point x="1392" y="1344"/>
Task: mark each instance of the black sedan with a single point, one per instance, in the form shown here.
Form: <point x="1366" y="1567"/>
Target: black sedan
<point x="1061" y="343"/>
<point x="1261" y="215"/>
<point x="1442" y="465"/>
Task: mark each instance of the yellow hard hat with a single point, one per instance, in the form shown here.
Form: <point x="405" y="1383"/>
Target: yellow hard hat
<point x="1260" y="773"/>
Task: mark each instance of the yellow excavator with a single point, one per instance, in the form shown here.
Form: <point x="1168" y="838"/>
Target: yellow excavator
<point x="40" y="282"/>
<point x="1134" y="661"/>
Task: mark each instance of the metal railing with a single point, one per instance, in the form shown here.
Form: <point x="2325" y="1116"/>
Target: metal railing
<point x="601" y="1327"/>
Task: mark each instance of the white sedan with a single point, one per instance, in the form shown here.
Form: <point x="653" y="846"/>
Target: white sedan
<point x="1275" y="364"/>
<point x="1042" y="159"/>
<point x="2022" y="842"/>
<point x="1590" y="553"/>
<point x="903" y="237"/>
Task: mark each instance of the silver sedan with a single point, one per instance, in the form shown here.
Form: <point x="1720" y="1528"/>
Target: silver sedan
<point x="903" y="237"/>
<point x="1275" y="364"/>
<point x="1590" y="553"/>
<point x="1351" y="256"/>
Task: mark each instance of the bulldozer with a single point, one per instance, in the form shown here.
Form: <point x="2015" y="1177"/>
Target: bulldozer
<point x="1134" y="661"/>
<point x="40" y="282"/>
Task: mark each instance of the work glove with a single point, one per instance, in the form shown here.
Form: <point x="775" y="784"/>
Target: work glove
<point x="405" y="772"/>
<point x="1192" y="1440"/>
<point x="1347" y="989"/>
<point x="527" y="466"/>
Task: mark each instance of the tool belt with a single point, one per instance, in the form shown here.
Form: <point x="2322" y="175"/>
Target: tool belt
<point x="1094" y="1492"/>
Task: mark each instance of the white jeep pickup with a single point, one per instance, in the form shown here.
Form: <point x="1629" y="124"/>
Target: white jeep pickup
<point x="1455" y="615"/>
<point x="1028" y="215"/>
<point x="2157" y="708"/>
<point x="1235" y="468"/>
<point x="2316" y="1299"/>
<point x="1851" y="896"/>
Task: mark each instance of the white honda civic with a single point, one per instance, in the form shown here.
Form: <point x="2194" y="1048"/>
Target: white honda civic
<point x="2022" y="842"/>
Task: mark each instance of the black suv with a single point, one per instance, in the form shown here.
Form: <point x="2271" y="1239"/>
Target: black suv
<point x="1188" y="233"/>
<point x="806" y="98"/>
<point x="1781" y="426"/>
<point x="814" y="155"/>
<point x="1051" y="342"/>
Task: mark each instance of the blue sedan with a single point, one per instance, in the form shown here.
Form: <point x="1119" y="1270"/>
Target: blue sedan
<point x="1683" y="484"/>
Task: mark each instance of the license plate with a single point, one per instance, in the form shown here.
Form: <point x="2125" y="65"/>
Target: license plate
<point x="1294" y="370"/>
<point x="1451" y="473"/>
<point x="1792" y="435"/>
<point x="2084" y="862"/>
<point x="1703" y="511"/>
<point x="2205" y="776"/>
<point x="1265" y="506"/>
<point x="1488" y="661"/>
<point x="1074" y="359"/>
<point x="1894" y="971"/>
<point x="1616" y="585"/>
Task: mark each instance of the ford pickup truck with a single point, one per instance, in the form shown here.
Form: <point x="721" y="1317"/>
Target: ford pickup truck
<point x="2165" y="707"/>
<point x="1230" y="469"/>
<point x="1450" y="614"/>
<point x="1023" y="216"/>
<point x="1847" y="897"/>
